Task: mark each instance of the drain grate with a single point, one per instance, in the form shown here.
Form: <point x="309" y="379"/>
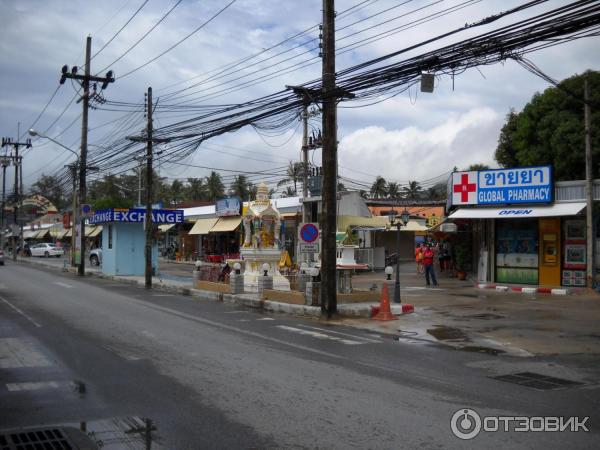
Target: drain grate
<point x="44" y="438"/>
<point x="537" y="381"/>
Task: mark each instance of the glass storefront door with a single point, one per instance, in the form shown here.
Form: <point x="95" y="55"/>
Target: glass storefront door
<point x="517" y="251"/>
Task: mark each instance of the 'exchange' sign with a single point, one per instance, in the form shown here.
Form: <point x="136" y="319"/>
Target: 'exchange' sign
<point x="502" y="186"/>
<point x="137" y="215"/>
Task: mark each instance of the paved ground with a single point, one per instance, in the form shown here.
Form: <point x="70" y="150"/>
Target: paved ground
<point x="213" y="375"/>
<point x="459" y="315"/>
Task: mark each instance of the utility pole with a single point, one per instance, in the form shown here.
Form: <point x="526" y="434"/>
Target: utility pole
<point x="17" y="162"/>
<point x="148" y="248"/>
<point x="5" y="163"/>
<point x="85" y="84"/>
<point x="328" y="216"/>
<point x="74" y="214"/>
<point x="149" y="140"/>
<point x="589" y="184"/>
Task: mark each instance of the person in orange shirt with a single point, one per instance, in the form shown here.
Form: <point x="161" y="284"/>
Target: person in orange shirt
<point x="419" y="258"/>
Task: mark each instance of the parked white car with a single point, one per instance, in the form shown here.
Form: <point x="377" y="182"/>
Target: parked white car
<point x="46" y="250"/>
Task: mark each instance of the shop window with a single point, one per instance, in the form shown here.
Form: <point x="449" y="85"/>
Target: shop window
<point x="517" y="251"/>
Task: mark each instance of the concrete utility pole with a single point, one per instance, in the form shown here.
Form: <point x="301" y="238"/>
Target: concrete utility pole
<point x="328" y="216"/>
<point x="73" y="168"/>
<point x="18" y="201"/>
<point x="149" y="199"/>
<point x="5" y="164"/>
<point x="589" y="187"/>
<point x="149" y="140"/>
<point x="85" y="84"/>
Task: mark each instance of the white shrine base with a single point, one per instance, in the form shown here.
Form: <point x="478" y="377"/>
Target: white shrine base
<point x="254" y="258"/>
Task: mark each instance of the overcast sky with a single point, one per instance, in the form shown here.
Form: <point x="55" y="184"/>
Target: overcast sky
<point x="414" y="136"/>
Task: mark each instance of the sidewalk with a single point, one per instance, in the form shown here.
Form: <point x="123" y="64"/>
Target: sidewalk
<point x="455" y="314"/>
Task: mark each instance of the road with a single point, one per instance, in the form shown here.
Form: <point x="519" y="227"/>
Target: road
<point x="213" y="375"/>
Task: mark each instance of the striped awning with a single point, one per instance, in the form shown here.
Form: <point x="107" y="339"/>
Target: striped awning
<point x="30" y="234"/>
<point x="226" y="224"/>
<point x="95" y="232"/>
<point x="165" y="227"/>
<point x="41" y="234"/>
<point x="203" y="226"/>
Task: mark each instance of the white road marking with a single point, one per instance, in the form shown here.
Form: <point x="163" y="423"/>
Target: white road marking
<point x="65" y="285"/>
<point x="162" y="295"/>
<point x="341" y="334"/>
<point x="319" y="335"/>
<point x="266" y="318"/>
<point x="32" y="386"/>
<point x="236" y="312"/>
<point x="15" y="353"/>
<point x="20" y="312"/>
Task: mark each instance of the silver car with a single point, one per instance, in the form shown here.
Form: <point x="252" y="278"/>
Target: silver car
<point x="46" y="249"/>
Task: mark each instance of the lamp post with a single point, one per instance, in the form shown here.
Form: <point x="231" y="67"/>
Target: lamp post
<point x="73" y="167"/>
<point x="394" y="221"/>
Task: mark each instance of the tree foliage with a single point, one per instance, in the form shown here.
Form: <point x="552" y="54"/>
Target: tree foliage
<point x="550" y="130"/>
<point x="49" y="186"/>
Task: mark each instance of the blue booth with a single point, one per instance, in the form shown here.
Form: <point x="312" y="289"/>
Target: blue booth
<point x="124" y="238"/>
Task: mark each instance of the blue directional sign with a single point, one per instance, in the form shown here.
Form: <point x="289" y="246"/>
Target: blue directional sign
<point x="309" y="232"/>
<point x="137" y="215"/>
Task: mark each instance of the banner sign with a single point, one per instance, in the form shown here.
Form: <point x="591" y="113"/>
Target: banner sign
<point x="230" y="206"/>
<point x="502" y="186"/>
<point x="135" y="215"/>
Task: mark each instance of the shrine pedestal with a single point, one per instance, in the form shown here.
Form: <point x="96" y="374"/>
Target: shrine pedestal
<point x="254" y="259"/>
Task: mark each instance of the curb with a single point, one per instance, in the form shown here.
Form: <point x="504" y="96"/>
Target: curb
<point x="397" y="310"/>
<point x="525" y="290"/>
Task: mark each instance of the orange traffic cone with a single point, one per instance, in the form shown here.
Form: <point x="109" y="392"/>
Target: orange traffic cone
<point x="385" y="312"/>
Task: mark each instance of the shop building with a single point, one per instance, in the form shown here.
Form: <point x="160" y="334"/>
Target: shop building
<point x="522" y="228"/>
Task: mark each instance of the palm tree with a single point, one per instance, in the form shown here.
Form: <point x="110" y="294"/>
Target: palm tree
<point x="241" y="187"/>
<point x="413" y="190"/>
<point x="295" y="173"/>
<point x="214" y="186"/>
<point x="341" y="187"/>
<point x="393" y="190"/>
<point x="289" y="192"/>
<point x="379" y="188"/>
<point x="196" y="190"/>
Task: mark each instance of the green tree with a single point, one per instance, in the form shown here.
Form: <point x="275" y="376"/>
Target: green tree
<point x="341" y="187"/>
<point x="379" y="188"/>
<point x="413" y="190"/>
<point x="214" y="186"/>
<point x="550" y="130"/>
<point x="476" y="167"/>
<point x="506" y="153"/>
<point x="393" y="190"/>
<point x="195" y="189"/>
<point x="50" y="187"/>
<point x="289" y="192"/>
<point x="177" y="193"/>
<point x="241" y="187"/>
<point x="294" y="174"/>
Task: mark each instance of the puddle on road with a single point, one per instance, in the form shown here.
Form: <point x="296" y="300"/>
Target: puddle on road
<point x="486" y="316"/>
<point x="443" y="333"/>
<point x="479" y="349"/>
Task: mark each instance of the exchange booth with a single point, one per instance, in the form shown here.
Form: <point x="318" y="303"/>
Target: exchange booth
<point x="124" y="238"/>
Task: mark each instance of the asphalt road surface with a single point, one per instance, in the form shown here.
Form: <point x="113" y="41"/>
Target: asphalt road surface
<point x="213" y="375"/>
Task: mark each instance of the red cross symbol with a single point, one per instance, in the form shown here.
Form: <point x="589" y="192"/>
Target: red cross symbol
<point x="464" y="187"/>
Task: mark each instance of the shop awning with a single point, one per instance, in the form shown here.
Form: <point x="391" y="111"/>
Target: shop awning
<point x="203" y="226"/>
<point x="339" y="237"/>
<point x="556" y="210"/>
<point x="95" y="232"/>
<point x="165" y="227"/>
<point x="30" y="234"/>
<point x="62" y="234"/>
<point x="69" y="233"/>
<point x="41" y="234"/>
<point x="226" y="224"/>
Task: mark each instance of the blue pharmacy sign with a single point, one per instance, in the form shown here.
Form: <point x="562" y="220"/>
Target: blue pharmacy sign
<point x="502" y="186"/>
<point x="133" y="215"/>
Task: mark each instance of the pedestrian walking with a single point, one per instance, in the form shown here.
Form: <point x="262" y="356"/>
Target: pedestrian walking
<point x="428" y="256"/>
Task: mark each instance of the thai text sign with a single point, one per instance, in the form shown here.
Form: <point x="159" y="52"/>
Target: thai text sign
<point x="134" y="215"/>
<point x="502" y="186"/>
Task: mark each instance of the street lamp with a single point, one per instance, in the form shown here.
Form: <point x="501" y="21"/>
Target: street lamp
<point x="73" y="168"/>
<point x="398" y="222"/>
